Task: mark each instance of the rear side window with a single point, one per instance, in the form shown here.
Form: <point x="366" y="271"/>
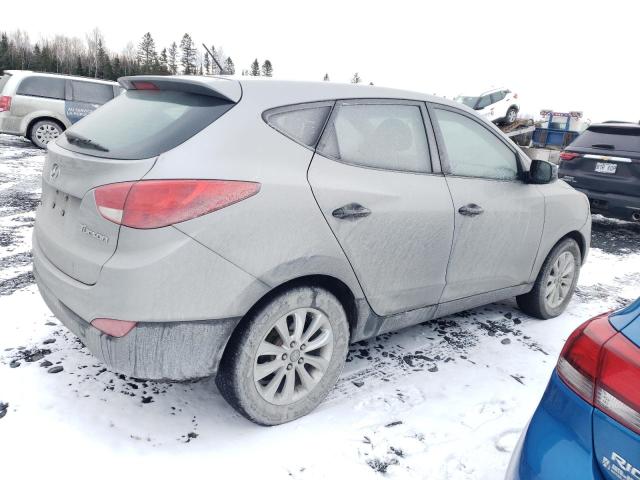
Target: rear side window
<point x="386" y="136"/>
<point x="143" y="123"/>
<point x="45" y="87"/>
<point x="90" y="92"/>
<point x="610" y="138"/>
<point x="472" y="150"/>
<point x="302" y="123"/>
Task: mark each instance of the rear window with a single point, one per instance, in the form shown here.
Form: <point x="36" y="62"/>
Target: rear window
<point x="142" y="124"/>
<point x="3" y="81"/>
<point x="45" y="87"/>
<point x="610" y="138"/>
<point x="91" y="92"/>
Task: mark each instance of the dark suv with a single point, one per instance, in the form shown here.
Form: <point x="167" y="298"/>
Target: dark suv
<point x="604" y="163"/>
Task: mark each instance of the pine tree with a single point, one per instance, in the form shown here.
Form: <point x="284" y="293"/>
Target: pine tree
<point x="356" y="78"/>
<point x="163" y="61"/>
<point x="229" y="67"/>
<point x="172" y="62"/>
<point x="147" y="55"/>
<point x="207" y="64"/>
<point x="188" y="58"/>
<point x="4" y="52"/>
<point x="326" y="77"/>
<point x="36" y="59"/>
<point x="254" y="71"/>
<point x="267" y="68"/>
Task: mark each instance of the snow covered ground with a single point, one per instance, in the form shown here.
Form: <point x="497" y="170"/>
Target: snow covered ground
<point x="443" y="400"/>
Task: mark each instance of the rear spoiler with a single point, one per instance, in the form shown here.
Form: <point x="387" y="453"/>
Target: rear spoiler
<point x="226" y="89"/>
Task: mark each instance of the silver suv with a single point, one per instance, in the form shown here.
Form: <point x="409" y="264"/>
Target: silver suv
<point x="41" y="106"/>
<point x="253" y="228"/>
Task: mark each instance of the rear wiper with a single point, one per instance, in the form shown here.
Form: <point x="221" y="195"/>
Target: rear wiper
<point x="84" y="142"/>
<point x="608" y="146"/>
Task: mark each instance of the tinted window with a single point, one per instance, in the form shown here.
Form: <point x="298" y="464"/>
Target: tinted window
<point x="380" y="136"/>
<point x="610" y="138"/>
<point x="472" y="150"/>
<point x="497" y="96"/>
<point x="301" y="123"/>
<point x="484" y="101"/>
<point x="90" y="92"/>
<point x="46" y="87"/>
<point x="143" y="123"/>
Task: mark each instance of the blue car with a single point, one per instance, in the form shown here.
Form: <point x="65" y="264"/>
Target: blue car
<point x="587" y="425"/>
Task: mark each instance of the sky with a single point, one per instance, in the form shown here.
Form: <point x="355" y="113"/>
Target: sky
<point x="563" y="55"/>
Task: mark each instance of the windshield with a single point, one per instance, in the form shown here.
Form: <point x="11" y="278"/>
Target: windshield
<point x="468" y="101"/>
<point x="142" y="124"/>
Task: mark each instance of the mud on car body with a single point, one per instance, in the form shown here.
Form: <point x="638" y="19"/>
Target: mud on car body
<point x="252" y="229"/>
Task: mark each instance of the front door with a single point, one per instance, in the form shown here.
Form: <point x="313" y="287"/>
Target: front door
<point x="498" y="218"/>
<point x="388" y="207"/>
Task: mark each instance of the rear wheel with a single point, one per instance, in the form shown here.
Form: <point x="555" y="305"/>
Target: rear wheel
<point x="44" y="131"/>
<point x="512" y="115"/>
<point x="556" y="282"/>
<point x="283" y="361"/>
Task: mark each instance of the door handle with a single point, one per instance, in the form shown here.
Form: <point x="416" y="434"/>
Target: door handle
<point x="470" y="210"/>
<point x="351" y="211"/>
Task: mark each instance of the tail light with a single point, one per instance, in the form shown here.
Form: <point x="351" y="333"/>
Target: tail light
<point x="5" y="103"/>
<point x="158" y="203"/>
<point x="603" y="367"/>
<point x="568" y="155"/>
<point x="141" y="85"/>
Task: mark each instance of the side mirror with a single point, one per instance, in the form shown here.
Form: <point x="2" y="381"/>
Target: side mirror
<point x="542" y="172"/>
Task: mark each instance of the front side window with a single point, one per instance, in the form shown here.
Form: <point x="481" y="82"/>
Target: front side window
<point x="302" y="123"/>
<point x="484" y="101"/>
<point x="91" y="92"/>
<point x="472" y="150"/>
<point x="497" y="96"/>
<point x="44" y="87"/>
<point x="386" y="136"/>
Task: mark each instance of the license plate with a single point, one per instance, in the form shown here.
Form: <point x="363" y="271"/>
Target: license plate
<point x="602" y="167"/>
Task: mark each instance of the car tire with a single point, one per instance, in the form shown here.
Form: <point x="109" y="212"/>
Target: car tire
<point x="44" y="131"/>
<point x="556" y="282"/>
<point x="300" y="377"/>
<point x="511" y="116"/>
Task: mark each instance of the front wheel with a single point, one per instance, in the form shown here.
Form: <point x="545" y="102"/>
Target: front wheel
<point x="43" y="132"/>
<point x="556" y="282"/>
<point x="282" y="362"/>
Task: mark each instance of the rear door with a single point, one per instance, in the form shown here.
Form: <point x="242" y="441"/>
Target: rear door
<point x="608" y="159"/>
<point x="498" y="218"/>
<point x="386" y="203"/>
<point x="85" y="97"/>
<point x="118" y="143"/>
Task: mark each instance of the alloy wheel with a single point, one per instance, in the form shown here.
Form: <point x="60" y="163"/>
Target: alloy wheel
<point x="560" y="279"/>
<point x="293" y="356"/>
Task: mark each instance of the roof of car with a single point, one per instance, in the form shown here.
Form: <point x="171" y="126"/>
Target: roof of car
<point x="26" y="73"/>
<point x="270" y="92"/>
<point x="612" y="125"/>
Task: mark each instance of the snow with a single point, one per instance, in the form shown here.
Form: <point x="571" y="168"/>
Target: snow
<point x="443" y="400"/>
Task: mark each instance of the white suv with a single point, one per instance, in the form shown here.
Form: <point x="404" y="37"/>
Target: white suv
<point x="499" y="105"/>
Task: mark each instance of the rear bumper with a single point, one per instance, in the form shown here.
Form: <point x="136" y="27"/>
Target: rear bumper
<point x="11" y="125"/>
<point x="158" y="351"/>
<point x="613" y="204"/>
<point x="558" y="441"/>
<point x="186" y="305"/>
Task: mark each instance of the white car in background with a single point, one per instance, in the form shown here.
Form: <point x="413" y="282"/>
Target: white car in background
<point x="499" y="105"/>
